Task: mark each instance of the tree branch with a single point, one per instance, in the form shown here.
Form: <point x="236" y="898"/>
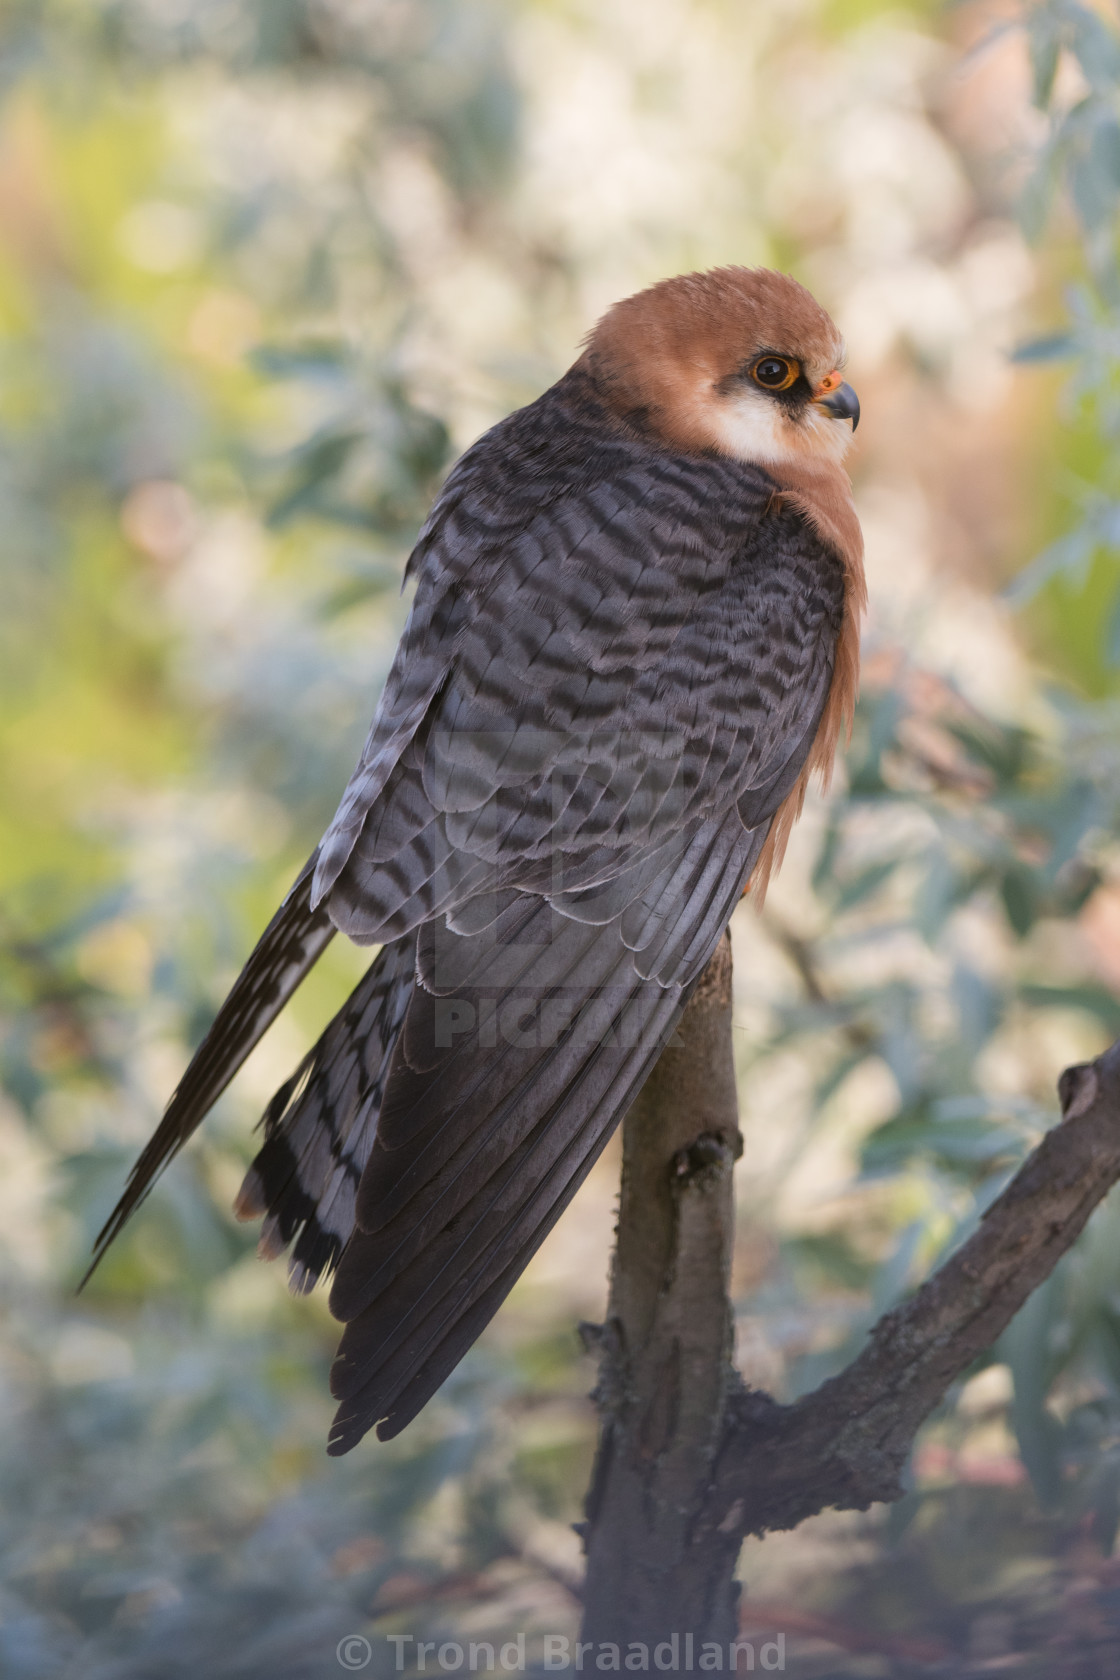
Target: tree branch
<point x="690" y="1462"/>
<point x="666" y="1376"/>
<point x="845" y="1445"/>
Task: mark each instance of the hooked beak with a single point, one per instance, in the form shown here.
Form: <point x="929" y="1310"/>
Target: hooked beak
<point x="842" y="404"/>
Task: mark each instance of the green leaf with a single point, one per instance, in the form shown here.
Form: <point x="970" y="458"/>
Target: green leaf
<point x="1044" y="41"/>
<point x="936" y="895"/>
<point x="1053" y="347"/>
<point x="918" y="1134"/>
<point x="1095" y="1000"/>
<point x="1095" y="46"/>
<point x="1021" y="899"/>
<point x="1093" y="187"/>
<point x="318" y="462"/>
<point x="836" y="1075"/>
<point x="825" y="864"/>
<point x="323" y="357"/>
<point x="1105" y="147"/>
<point x="1070" y="556"/>
<point x="863" y="885"/>
<point x="1037" y="195"/>
<point x="1004" y="750"/>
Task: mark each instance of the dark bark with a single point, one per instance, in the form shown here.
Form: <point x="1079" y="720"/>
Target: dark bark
<point x="689" y="1461"/>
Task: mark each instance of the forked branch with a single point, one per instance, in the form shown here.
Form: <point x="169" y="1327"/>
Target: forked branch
<point x="845" y="1444"/>
<point x="690" y="1461"/>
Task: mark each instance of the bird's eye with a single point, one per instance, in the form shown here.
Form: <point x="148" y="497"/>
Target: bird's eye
<point x="775" y="372"/>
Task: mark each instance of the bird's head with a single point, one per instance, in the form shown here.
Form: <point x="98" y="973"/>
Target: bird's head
<point x="740" y="360"/>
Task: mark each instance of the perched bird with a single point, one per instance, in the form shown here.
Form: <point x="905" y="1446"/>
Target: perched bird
<point x="634" y="635"/>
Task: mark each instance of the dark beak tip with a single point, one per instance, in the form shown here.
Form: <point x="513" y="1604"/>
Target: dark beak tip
<point x="843" y="404"/>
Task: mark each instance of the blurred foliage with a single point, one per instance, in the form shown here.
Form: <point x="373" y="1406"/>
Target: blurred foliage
<point x="179" y="378"/>
<point x="991" y="844"/>
<point x="245" y="250"/>
<point x="1078" y="164"/>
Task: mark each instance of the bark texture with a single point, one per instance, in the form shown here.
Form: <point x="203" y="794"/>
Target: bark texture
<point x="690" y="1462"/>
<point x="666" y="1379"/>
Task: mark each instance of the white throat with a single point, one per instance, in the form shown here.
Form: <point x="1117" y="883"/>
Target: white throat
<point x="753" y="427"/>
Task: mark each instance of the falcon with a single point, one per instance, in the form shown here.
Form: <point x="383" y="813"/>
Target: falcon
<point x="634" y="636"/>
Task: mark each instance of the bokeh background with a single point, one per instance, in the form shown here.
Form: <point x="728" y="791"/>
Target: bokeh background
<point x="266" y="266"/>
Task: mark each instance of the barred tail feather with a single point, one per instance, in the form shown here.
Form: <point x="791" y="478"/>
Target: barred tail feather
<point x="320" y="1126"/>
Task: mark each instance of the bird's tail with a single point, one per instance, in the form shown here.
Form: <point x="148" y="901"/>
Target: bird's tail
<point x="503" y="1085"/>
<point x="291" y="944"/>
<point x="483" y="1146"/>
<point x="320" y="1126"/>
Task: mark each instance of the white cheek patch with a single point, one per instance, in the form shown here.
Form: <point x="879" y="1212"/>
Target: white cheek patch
<point x="754" y="427"/>
<point x="826" y="434"/>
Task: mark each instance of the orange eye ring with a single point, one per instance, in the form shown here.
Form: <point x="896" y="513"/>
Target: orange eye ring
<point x="775" y="373"/>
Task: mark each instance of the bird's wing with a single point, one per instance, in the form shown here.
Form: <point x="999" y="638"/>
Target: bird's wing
<point x="532" y="1025"/>
<point x="607" y="611"/>
<point x="290" y="946"/>
<point x="418" y="865"/>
